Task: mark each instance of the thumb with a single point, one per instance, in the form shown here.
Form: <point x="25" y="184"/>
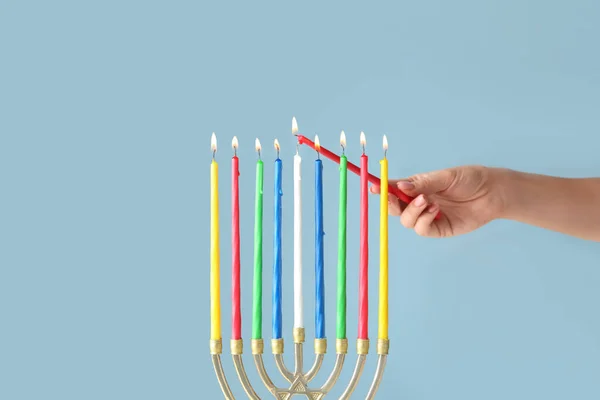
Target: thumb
<point x="428" y="182"/>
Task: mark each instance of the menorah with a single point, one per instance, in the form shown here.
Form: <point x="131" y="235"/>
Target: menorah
<point x="299" y="378"/>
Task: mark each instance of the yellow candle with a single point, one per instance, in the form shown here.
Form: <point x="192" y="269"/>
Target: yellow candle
<point x="215" y="279"/>
<point x="383" y="247"/>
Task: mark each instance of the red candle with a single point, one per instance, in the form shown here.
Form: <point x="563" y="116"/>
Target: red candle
<point x="363" y="278"/>
<point x="354" y="168"/>
<point x="236" y="310"/>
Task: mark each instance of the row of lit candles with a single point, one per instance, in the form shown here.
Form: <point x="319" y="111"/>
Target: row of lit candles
<point x="317" y="144"/>
<point x="345" y="165"/>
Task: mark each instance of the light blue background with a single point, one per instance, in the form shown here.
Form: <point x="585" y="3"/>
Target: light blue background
<point x="106" y="114"/>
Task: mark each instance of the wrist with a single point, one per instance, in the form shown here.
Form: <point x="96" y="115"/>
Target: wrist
<point x="503" y="192"/>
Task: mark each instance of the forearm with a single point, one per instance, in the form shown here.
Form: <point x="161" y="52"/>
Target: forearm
<point x="567" y="205"/>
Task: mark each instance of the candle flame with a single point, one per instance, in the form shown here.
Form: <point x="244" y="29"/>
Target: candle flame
<point x="234" y="143"/>
<point x="363" y="139"/>
<point x="317" y="143"/>
<point x="276" y="144"/>
<point x="213" y="142"/>
<point x="294" y="126"/>
<point x="343" y="139"/>
<point x="257" y="145"/>
<point x="385" y="143"/>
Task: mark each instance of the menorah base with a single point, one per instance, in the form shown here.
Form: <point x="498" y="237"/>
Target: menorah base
<point x="298" y="379"/>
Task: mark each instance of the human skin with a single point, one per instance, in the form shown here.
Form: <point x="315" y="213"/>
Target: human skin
<point x="474" y="195"/>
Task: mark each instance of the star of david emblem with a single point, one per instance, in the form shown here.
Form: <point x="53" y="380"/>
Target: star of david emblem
<point x="299" y="388"/>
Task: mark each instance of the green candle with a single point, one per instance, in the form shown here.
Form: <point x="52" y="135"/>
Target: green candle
<point x="258" y="217"/>
<point x="341" y="267"/>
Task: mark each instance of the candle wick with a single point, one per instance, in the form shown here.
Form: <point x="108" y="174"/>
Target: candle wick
<point x="277" y="153"/>
<point x="214" y="152"/>
<point x="235" y="151"/>
<point x="343" y="150"/>
<point x="297" y="148"/>
<point x="363" y="149"/>
<point x="258" y="154"/>
<point x="385" y="153"/>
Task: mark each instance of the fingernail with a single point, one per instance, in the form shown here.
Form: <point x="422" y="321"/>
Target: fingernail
<point x="406" y="185"/>
<point x="420" y="200"/>
<point x="433" y="208"/>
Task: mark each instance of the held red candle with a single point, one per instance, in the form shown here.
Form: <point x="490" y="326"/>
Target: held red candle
<point x="236" y="310"/>
<point x="363" y="278"/>
<point x="355" y="169"/>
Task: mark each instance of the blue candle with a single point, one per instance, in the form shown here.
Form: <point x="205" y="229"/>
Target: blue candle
<point x="277" y="249"/>
<point x="319" y="271"/>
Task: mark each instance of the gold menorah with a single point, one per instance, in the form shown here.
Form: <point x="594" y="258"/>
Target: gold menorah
<point x="299" y="381"/>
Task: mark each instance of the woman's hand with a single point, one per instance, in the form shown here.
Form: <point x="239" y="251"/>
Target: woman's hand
<point x="467" y="196"/>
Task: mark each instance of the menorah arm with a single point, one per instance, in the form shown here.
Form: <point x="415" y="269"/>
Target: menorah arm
<point x="341" y="350"/>
<point x="383" y="348"/>
<point x="216" y="348"/>
<point x="335" y="374"/>
<point x="282" y="368"/>
<point x="236" y="354"/>
<point x="320" y="350"/>
<point x="314" y="370"/>
<point x="277" y="349"/>
<point x="257" y="351"/>
<point x="362" y="346"/>
<point x="378" y="377"/>
<point x="298" y="358"/>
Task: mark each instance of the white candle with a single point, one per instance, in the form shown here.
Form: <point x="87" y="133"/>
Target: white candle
<point x="298" y="313"/>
